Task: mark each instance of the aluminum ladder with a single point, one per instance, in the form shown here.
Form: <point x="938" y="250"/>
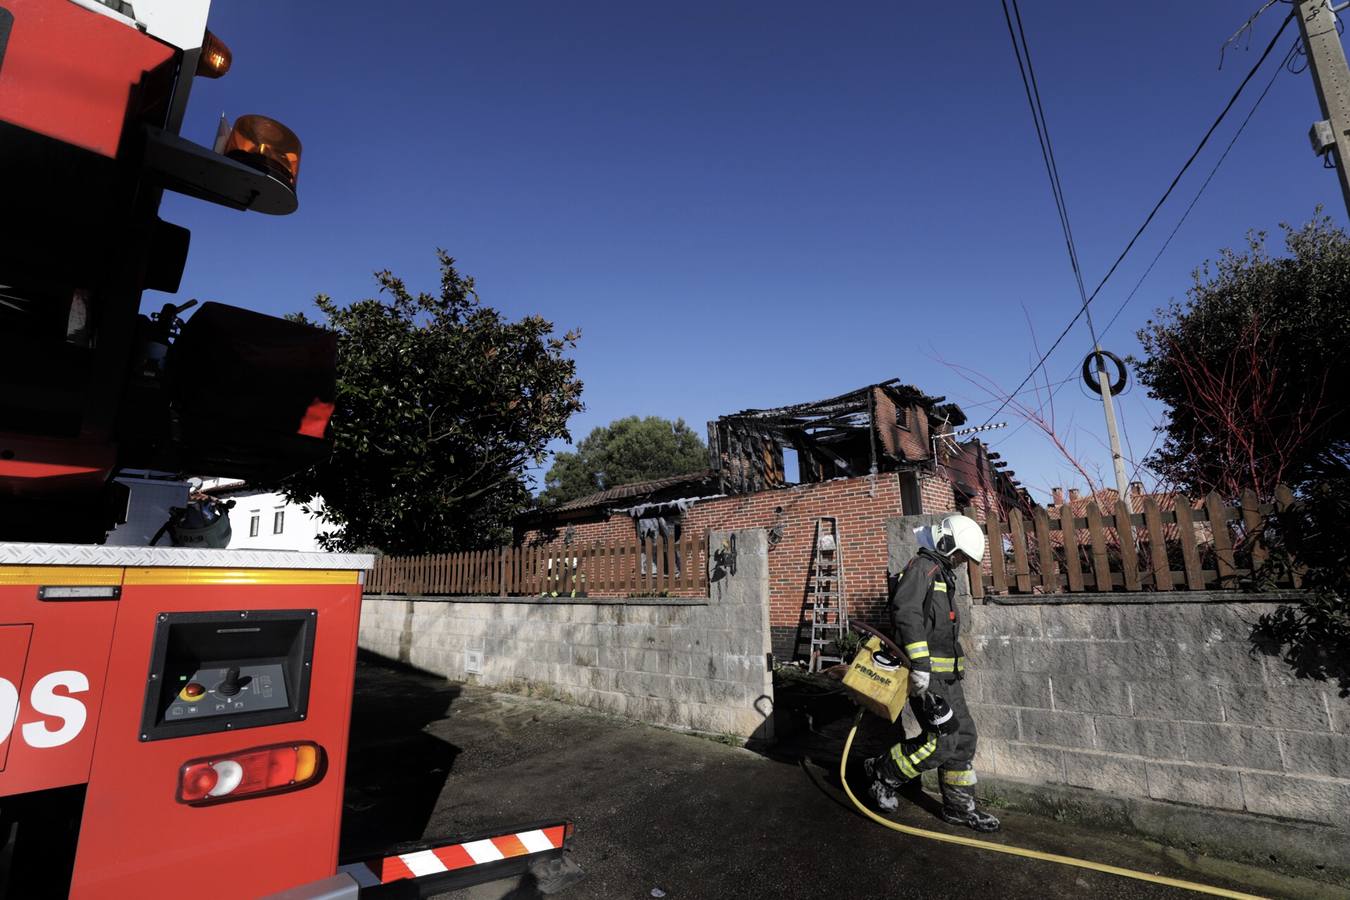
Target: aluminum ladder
<point x="825" y="594"/>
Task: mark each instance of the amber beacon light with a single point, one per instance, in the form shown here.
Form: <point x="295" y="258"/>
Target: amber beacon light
<point x="267" y="145"/>
<point x="215" y="59"/>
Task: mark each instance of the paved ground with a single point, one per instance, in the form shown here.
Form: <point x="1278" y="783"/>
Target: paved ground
<point x="688" y="817"/>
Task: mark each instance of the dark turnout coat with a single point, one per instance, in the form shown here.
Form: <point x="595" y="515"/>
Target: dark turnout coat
<point x="923" y="611"/>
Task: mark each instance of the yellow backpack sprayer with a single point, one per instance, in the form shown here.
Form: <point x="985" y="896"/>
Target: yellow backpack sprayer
<point x="878" y="681"/>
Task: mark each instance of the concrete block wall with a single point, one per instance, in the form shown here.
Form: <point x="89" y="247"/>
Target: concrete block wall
<point x="698" y="665"/>
<point x="1158" y="700"/>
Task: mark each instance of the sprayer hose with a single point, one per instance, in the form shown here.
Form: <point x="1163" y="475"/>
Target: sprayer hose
<point x="1019" y="851"/>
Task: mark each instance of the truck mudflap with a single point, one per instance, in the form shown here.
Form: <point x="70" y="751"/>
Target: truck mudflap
<point x="428" y="868"/>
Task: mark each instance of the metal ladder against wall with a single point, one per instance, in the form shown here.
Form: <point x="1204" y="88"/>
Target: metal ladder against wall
<point x="825" y="594"/>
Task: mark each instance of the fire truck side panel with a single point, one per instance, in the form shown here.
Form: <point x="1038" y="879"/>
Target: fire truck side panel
<point x="136" y="838"/>
<point x="72" y="74"/>
<point x="54" y="691"/>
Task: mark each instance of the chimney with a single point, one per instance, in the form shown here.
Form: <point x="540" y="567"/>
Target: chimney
<point x="1058" y="494"/>
<point x="1073" y="494"/>
<point x="1136" y="489"/>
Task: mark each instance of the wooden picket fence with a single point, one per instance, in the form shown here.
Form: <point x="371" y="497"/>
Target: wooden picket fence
<point x="651" y="567"/>
<point x="1192" y="546"/>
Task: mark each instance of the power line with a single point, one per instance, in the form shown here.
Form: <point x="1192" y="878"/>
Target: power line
<point x="1031" y="87"/>
<point x="1030" y="390"/>
<point x="1157" y="206"/>
<point x="1212" y="172"/>
<point x="1040" y="107"/>
<point x="1293" y="52"/>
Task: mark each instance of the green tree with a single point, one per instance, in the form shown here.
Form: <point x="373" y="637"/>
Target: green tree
<point x="1248" y="365"/>
<point x="626" y="450"/>
<point x="1248" y="368"/>
<point x="441" y="402"/>
<point x="1314" y="636"/>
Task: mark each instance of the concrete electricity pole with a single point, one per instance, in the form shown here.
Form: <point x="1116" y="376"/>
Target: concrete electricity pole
<point x="1117" y="460"/>
<point x="1326" y="61"/>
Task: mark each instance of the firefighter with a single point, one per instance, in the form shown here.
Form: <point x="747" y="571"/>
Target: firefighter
<point x="927" y="625"/>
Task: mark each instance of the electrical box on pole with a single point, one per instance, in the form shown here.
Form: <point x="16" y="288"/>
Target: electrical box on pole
<point x="1318" y="24"/>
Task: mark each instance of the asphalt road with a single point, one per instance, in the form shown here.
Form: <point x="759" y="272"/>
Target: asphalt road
<point x="656" y="811"/>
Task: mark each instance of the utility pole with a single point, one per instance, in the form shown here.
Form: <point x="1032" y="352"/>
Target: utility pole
<point x="1104" y="388"/>
<point x="1331" y="77"/>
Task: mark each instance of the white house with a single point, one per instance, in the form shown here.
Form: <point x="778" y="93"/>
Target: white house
<point x="264" y="520"/>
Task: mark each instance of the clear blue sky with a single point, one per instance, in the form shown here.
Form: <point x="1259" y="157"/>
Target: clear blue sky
<point x="752" y="204"/>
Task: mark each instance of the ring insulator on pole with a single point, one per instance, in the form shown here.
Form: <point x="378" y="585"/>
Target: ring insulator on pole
<point x="1090" y="372"/>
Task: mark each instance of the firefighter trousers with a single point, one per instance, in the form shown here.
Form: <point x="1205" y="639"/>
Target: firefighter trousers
<point x="953" y="755"/>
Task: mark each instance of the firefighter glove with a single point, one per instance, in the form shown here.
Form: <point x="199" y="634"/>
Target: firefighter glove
<point x="935" y="714"/>
<point x="918" y="682"/>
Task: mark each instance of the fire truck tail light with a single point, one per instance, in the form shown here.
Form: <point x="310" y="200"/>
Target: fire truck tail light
<point x="215" y="59"/>
<point x="306" y="762"/>
<point x="197" y="781"/>
<point x="229" y="775"/>
<point x="267" y="145"/>
<point x="250" y="773"/>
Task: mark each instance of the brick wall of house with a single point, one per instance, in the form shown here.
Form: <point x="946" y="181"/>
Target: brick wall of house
<point x="936" y="494"/>
<point x="583" y="533"/>
<point x="861" y="505"/>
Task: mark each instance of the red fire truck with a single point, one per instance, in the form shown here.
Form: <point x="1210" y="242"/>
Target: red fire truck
<point x="173" y="721"/>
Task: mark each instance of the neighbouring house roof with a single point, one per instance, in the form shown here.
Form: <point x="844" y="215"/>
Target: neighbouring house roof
<point x="637" y="492"/>
<point x="1106" y="502"/>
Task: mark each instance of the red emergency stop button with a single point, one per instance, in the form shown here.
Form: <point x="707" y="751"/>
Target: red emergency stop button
<point x="192" y="691"/>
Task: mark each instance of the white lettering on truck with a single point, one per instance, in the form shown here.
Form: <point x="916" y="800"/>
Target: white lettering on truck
<point x="44" y="700"/>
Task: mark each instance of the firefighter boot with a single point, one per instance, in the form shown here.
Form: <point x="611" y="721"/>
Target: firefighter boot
<point x="883" y="789"/>
<point x="958" y="808"/>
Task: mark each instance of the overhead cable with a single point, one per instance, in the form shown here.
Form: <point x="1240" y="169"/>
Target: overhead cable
<point x="1210" y="177"/>
<point x="1152" y="213"/>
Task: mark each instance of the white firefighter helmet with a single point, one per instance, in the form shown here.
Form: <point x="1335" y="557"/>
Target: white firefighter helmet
<point x="960" y="533"/>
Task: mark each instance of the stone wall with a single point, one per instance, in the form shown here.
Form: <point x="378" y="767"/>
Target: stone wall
<point x="1158" y="699"/>
<point x="697" y="665"/>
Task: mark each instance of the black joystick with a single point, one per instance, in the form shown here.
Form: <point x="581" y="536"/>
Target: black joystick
<point x="232" y="683"/>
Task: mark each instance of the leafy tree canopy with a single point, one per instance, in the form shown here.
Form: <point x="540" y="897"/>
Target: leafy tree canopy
<point x="441" y="403"/>
<point x="1314" y="535"/>
<point x="626" y="450"/>
<point x="1249" y="365"/>
<point x="1249" y="370"/>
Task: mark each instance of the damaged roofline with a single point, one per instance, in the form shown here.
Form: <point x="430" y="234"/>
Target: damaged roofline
<point x="848" y="402"/>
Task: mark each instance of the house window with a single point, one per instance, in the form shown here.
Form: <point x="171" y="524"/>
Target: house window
<point x="253" y="520"/>
<point x="278" y="521"/>
<point x="792" y="467"/>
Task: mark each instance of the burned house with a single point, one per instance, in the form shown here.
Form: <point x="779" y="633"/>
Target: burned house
<point x="881" y="428"/>
<point x="861" y="458"/>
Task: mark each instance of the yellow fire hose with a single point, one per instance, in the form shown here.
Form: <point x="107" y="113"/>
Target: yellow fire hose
<point x="1019" y="851"/>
